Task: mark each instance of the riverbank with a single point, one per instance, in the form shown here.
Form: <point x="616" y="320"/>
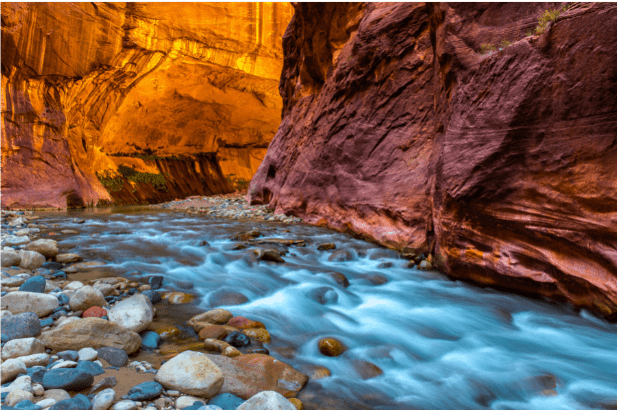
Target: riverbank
<point x="107" y="341"/>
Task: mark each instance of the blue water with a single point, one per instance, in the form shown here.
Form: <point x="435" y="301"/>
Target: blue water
<point x="441" y="344"/>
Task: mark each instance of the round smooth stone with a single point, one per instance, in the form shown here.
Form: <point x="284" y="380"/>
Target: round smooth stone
<point x="67" y="379"/>
<point x="35" y="284"/>
<point x="113" y="356"/>
<point x="150" y="340"/>
<point x="145" y="391"/>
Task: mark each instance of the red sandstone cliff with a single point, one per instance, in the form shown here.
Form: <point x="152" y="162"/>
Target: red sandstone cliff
<point x="184" y="94"/>
<point x="502" y="166"/>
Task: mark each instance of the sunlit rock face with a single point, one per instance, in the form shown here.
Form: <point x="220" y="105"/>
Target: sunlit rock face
<point x="503" y="167"/>
<point x="156" y="100"/>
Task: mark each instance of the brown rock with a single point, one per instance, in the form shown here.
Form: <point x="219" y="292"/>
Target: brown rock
<point x="249" y="374"/>
<point x="241" y="322"/>
<point x="297" y="403"/>
<point x="366" y="370"/>
<point x="403" y="132"/>
<point x="90" y="332"/>
<point x="213" y="332"/>
<point x="331" y="347"/>
<point x="164" y="330"/>
<point x="214" y="345"/>
<point x="68" y="258"/>
<point x="326" y="246"/>
<point x="260" y="334"/>
<point x="178" y="298"/>
<point x="214" y="316"/>
<point x="46" y="247"/>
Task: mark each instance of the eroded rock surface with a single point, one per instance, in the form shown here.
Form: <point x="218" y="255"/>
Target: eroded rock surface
<point x="159" y="100"/>
<point x="501" y="166"/>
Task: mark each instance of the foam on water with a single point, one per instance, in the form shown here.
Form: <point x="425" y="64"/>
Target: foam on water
<point x="441" y="344"/>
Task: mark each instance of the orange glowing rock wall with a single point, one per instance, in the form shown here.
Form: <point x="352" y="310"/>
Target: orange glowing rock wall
<point x="183" y="91"/>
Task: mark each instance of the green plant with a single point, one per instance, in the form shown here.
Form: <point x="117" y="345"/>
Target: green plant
<point x="529" y="33"/>
<point x="157" y="180"/>
<point x="547" y="17"/>
<point x="110" y="181"/>
<point x="487" y="48"/>
<point x="505" y="43"/>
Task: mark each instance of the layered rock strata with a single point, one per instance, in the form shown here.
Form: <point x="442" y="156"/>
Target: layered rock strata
<point x="183" y="94"/>
<point x="500" y="165"/>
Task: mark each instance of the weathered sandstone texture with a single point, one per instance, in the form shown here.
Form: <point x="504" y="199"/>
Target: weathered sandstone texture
<point x="159" y="100"/>
<point x="502" y="166"/>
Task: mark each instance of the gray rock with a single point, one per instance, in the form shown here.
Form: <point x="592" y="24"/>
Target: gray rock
<point x="35" y="284"/>
<point x="20" y="383"/>
<point x="87" y="354"/>
<point x="16" y="396"/>
<point x="10" y="369"/>
<point x="85" y="298"/>
<point x="135" y="313"/>
<point x="191" y="373"/>
<point x="105" y="288"/>
<point x="67" y="379"/>
<point x="39" y="359"/>
<point x="46" y="403"/>
<point x="22" y="347"/>
<point x="14" y="240"/>
<point x="105" y="383"/>
<point x="10" y="258"/>
<point x="267" y="400"/>
<point x="31" y="260"/>
<point x="124" y="405"/>
<point x="104" y="399"/>
<point x="113" y="356"/>
<point x="38" y="303"/>
<point x="21" y="325"/>
<point x="46" y="247"/>
<point x="68" y="258"/>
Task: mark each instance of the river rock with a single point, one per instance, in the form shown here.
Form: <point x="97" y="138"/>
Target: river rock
<point x="81" y="266"/>
<point x="257" y="333"/>
<point x="150" y="340"/>
<point x="17" y="396"/>
<point x="68" y="355"/>
<point x="10" y="369"/>
<point x="87" y="354"/>
<point x="75" y="285"/>
<point x="326" y="246"/>
<point x="35" y="284"/>
<point x="237" y="339"/>
<point x="22" y="347"/>
<point x="104" y="399"/>
<point x="94" y="311"/>
<point x="267" y="400"/>
<point x="191" y="373"/>
<point x="68" y="258"/>
<point x="330" y="347"/>
<point x="155" y="281"/>
<point x="31" y="260"/>
<point x="105" y="288"/>
<point x="56" y="394"/>
<point x="249" y="374"/>
<point x="38" y="359"/>
<point x="153" y="295"/>
<point x="226" y="297"/>
<point x="14" y="240"/>
<point x="212" y="332"/>
<point x="67" y="379"/>
<point x="46" y="403"/>
<point x="178" y="298"/>
<point x="38" y="303"/>
<point x="145" y="391"/>
<point x="85" y="298"/>
<point x="104" y="383"/>
<point x="271" y="255"/>
<point x="79" y="402"/>
<point x="135" y="313"/>
<point x="20" y="383"/>
<point x="187" y="401"/>
<point x="341" y="255"/>
<point x="10" y="258"/>
<point x="226" y="401"/>
<point x="114" y="356"/>
<point x="124" y="405"/>
<point x="324" y="295"/>
<point x="91" y="332"/>
<point x="214" y="316"/>
<point x="91" y="367"/>
<point x="46" y="247"/>
<point x="241" y="322"/>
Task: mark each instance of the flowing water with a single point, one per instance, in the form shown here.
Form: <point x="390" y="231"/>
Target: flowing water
<point x="441" y="344"/>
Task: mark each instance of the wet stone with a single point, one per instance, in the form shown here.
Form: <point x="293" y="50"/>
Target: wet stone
<point x="341" y="255"/>
<point x="155" y="282"/>
<point x="21" y="326"/>
<point x="52" y="266"/>
<point x="326" y="246"/>
<point x="91" y="367"/>
<point x="150" y="340"/>
<point x="330" y="347"/>
<point x="339" y="278"/>
<point x="226" y="401"/>
<point x="68" y="355"/>
<point x="324" y="295"/>
<point x="237" y="339"/>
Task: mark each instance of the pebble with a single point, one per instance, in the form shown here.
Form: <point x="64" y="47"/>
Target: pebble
<point x="20" y="383"/>
<point x="46" y="403"/>
<point x="135" y="313"/>
<point x="124" y="405"/>
<point x="191" y="373"/>
<point x="153" y="295"/>
<point x="37" y="372"/>
<point x="10" y="369"/>
<point x="330" y="347"/>
<point x="22" y="302"/>
<point x="93" y="368"/>
<point x="31" y="260"/>
<point x="79" y="402"/>
<point x="226" y="401"/>
<point x="64" y="364"/>
<point x="155" y="281"/>
<point x="86" y="297"/>
<point x="105" y="288"/>
<point x="214" y="316"/>
<point x="38" y="389"/>
<point x="75" y="285"/>
<point x="326" y="246"/>
<point x="68" y="258"/>
<point x="425" y="265"/>
<point x="106" y="382"/>
<point x="10" y="258"/>
<point x="339" y="278"/>
<point x="186" y="401"/>
<point x="87" y="354"/>
<point x="150" y="340"/>
<point x="56" y="394"/>
<point x="237" y="339"/>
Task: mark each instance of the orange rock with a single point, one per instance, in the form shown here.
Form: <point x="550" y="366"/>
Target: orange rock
<point x="241" y="322"/>
<point x="94" y="311"/>
<point x="297" y="403"/>
<point x="331" y="347"/>
<point x="178" y="298"/>
<point x="164" y="330"/>
<point x="260" y="334"/>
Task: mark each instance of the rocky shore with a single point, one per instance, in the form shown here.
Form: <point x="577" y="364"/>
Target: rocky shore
<point x="75" y="341"/>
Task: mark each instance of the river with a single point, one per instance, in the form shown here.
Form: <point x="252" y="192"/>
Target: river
<point x="441" y="344"/>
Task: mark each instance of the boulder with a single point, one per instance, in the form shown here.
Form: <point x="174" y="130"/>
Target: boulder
<point x="46" y="247"/>
<point x="22" y="347"/>
<point x="85" y="298"/>
<point x="249" y="374"/>
<point x="31" y="260"/>
<point x="191" y="373"/>
<point x="91" y="332"/>
<point x="38" y="303"/>
<point x="267" y="400"/>
<point x="135" y="313"/>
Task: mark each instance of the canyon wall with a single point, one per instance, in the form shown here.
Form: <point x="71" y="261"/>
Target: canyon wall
<point x="136" y="102"/>
<point x="402" y="126"/>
